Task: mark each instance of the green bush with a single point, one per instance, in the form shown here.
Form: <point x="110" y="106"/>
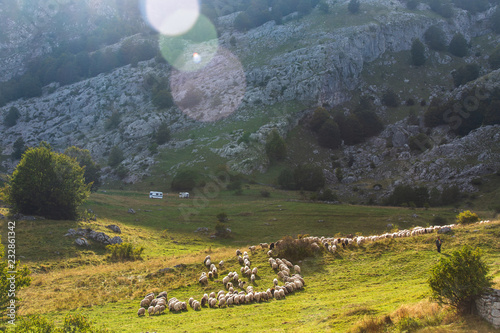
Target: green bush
<point x="435" y="38"/>
<point x="162" y="134"/>
<point x="35" y="324"/>
<point x="467" y="217"/>
<point x="460" y="279"/>
<point x="162" y="99"/>
<point x="11" y="117"/>
<point x="19" y="149"/>
<point x="418" y="52"/>
<point x="294" y="249"/>
<point x="222" y="217"/>
<point x="458" y="46"/>
<point x="265" y="193"/>
<point x="184" y="180"/>
<point x="329" y="135"/>
<point x="92" y="172"/>
<point x="420" y="142"/>
<point x="465" y="74"/>
<point x="48" y="184"/>
<point x="124" y="251"/>
<point x="390" y="98"/>
<point x="221" y="230"/>
<point x="115" y="156"/>
<point x="275" y="147"/>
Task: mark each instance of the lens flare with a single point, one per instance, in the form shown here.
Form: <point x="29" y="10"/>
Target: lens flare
<point x="171" y="17"/>
<point x="193" y="50"/>
<point x="212" y="93"/>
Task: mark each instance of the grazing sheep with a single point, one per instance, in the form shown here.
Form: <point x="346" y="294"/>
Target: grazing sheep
<point x="154" y="302"/>
<point x="296" y="269"/>
<point x="269" y="253"/>
<point x="221" y="263"/>
<point x="204" y="300"/>
<point x="196" y="306"/>
<point x="162" y="294"/>
<point x="141" y="312"/>
<point x="212" y="295"/>
<point x="264" y="245"/>
<point x="210" y="275"/>
<point x="230" y="300"/>
<point x="145" y="302"/>
<point x="252" y="248"/>
<point x="240" y="260"/>
<point x="238" y="252"/>
<point x="184" y="306"/>
<point x="151" y="310"/>
<point x="271" y="246"/>
<point x="252" y="278"/>
<point x="212" y="302"/>
<point x="254" y="270"/>
<point x="203" y="279"/>
<point x="157" y="309"/>
<point x="275" y="281"/>
<point x="222" y="301"/>
<point x="190" y="302"/>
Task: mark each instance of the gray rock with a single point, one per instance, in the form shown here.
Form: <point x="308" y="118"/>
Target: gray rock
<point x="201" y="229"/>
<point x="114" y="228"/>
<point x="116" y="240"/>
<point x="131" y="211"/>
<point x="71" y="232"/>
<point x="81" y="242"/>
<point x="444" y="230"/>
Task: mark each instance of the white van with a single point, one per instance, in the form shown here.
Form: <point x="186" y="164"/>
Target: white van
<point x="155" y="195"/>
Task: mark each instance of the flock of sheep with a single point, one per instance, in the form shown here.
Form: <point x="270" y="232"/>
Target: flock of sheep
<point x="289" y="282"/>
<point x="232" y="283"/>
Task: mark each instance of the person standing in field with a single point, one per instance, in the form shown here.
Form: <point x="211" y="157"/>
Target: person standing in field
<point x="438" y="244"/>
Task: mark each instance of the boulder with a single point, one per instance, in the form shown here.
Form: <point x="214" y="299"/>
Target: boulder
<point x="81" y="242"/>
<point x="114" y="228"/>
<point x="71" y="232"/>
<point x="116" y="240"/>
<point x="444" y="230"/>
<point x="131" y="211"/>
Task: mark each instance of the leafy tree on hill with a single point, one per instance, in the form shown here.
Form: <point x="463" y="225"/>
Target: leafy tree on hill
<point x="329" y="135"/>
<point x="11" y="117"/>
<point x="308" y="177"/>
<point x="48" y="184"/>
<point x="318" y="118"/>
<point x="275" y="147"/>
<point x="465" y="74"/>
<point x="458" y="46"/>
<point x="184" y="180"/>
<point x="459" y="279"/>
<point x="353" y="6"/>
<point x="390" y="98"/>
<point x="19" y="149"/>
<point x="418" y="52"/>
<point x="162" y="134"/>
<point x="92" y="172"/>
<point x="115" y="156"/>
<point x="435" y="38"/>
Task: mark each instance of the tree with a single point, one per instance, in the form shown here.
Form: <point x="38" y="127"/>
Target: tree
<point x="285" y="180"/>
<point x="163" y="99"/>
<point x="329" y="135"/>
<point x="19" y="149"/>
<point x="184" y="180"/>
<point x="308" y="177"/>
<point x="275" y="147"/>
<point x="48" y="184"/>
<point x="115" y="156"/>
<point x="418" y="52"/>
<point x="465" y="74"/>
<point x="458" y="46"/>
<point x="390" y="98"/>
<point x="21" y="279"/>
<point x="435" y="38"/>
<point x="113" y="121"/>
<point x="460" y="279"/>
<point x="318" y="118"/>
<point x="11" y="117"/>
<point x="162" y="134"/>
<point x="353" y="6"/>
<point x="92" y="172"/>
<point x="467" y="217"/>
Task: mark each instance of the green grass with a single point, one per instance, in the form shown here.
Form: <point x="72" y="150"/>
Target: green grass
<point x="341" y="289"/>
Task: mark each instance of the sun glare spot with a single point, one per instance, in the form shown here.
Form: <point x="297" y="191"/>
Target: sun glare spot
<point x="171" y="17"/>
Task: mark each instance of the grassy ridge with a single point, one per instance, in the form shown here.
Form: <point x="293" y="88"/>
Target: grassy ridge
<point x="342" y="289"/>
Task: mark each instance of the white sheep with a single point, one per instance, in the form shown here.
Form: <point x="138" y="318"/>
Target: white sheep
<point x="252" y="278"/>
<point x="254" y="270"/>
<point x="141" y="312"/>
<point x="222" y="301"/>
<point x="151" y="310"/>
<point x="145" y="302"/>
<point x="196" y="306"/>
<point x="296" y="269"/>
<point x="238" y="252"/>
<point x="275" y="281"/>
<point x="221" y="263"/>
<point x="204" y="300"/>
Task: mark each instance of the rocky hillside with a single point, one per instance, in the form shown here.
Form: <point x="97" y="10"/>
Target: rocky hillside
<point x="258" y="80"/>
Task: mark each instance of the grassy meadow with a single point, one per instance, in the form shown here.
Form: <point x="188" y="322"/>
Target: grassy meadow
<point x="352" y="290"/>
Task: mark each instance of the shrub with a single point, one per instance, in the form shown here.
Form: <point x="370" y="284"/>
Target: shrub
<point x="265" y="193"/>
<point x="318" y="118"/>
<point x="48" y="184"/>
<point x="353" y="6"/>
<point x="418" y="52"/>
<point x="222" y="217"/>
<point x="35" y="324"/>
<point x="460" y="279"/>
<point x="420" y="142"/>
<point x="390" y="98"/>
<point x="294" y="249"/>
<point x="329" y="135"/>
<point x="162" y="134"/>
<point x="458" y="46"/>
<point x="285" y="180"/>
<point x="124" y="251"/>
<point x="328" y="195"/>
<point x="113" y="121"/>
<point x="308" y="177"/>
<point x="19" y="149"/>
<point x="465" y="74"/>
<point x="92" y="172"/>
<point x="184" y="180"/>
<point x="221" y="230"/>
<point x="467" y="217"/>
<point x="11" y="117"/>
<point x="115" y="156"/>
<point x="275" y="147"/>
<point x="435" y="38"/>
<point x="163" y="99"/>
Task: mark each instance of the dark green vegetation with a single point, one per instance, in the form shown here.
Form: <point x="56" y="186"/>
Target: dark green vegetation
<point x="460" y="279"/>
<point x="342" y="290"/>
<point x="47" y="184"/>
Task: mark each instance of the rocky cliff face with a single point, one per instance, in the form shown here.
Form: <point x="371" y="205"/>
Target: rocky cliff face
<point x="316" y="61"/>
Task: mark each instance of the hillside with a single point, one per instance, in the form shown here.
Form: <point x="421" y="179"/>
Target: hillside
<point x="321" y="58"/>
<point x="342" y="290"/>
